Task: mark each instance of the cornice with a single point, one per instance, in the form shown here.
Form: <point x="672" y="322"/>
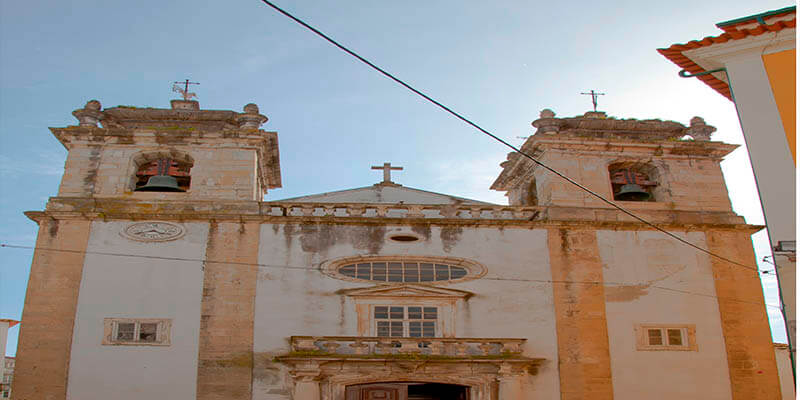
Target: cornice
<point x="97" y="209"/>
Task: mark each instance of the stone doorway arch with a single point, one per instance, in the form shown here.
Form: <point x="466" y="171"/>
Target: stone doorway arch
<point x="407" y="391"/>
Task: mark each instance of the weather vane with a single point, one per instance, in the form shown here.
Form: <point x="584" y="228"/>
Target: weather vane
<point x="594" y="97"/>
<point x="184" y="91"/>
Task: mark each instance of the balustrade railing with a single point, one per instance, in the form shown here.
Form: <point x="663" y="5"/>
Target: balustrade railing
<point x="399" y="211"/>
<point x="355" y="346"/>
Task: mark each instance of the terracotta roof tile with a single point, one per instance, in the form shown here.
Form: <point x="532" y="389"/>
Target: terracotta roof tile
<point x="674" y="53"/>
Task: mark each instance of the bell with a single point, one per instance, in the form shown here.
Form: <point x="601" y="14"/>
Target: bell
<point x="632" y="192"/>
<point x="161" y="183"/>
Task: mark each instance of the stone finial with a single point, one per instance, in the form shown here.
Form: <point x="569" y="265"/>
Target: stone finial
<point x="90" y="114"/>
<point x="547" y="123"/>
<point x="699" y="130"/>
<point x="251" y="119"/>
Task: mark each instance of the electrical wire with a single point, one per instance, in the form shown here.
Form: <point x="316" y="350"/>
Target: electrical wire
<point x="312" y="269"/>
<point x="479" y="128"/>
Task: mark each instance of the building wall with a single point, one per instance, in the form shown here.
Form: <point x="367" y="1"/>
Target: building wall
<point x="307" y="302"/>
<point x="781" y="70"/>
<point x="679" y="178"/>
<point x="645" y="261"/>
<point x="785" y="371"/>
<point x="107" y="172"/>
<point x="127" y="287"/>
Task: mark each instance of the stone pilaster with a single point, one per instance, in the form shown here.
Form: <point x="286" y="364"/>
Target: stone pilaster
<point x="225" y="360"/>
<point x="48" y="317"/>
<point x="584" y="362"/>
<point x="745" y="325"/>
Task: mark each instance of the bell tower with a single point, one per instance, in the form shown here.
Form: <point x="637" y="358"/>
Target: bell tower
<point x="640" y="164"/>
<point x="182" y="153"/>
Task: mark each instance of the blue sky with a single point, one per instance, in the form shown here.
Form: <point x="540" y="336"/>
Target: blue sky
<point x="498" y="63"/>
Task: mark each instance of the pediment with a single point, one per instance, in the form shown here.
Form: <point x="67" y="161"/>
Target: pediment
<point x="407" y="291"/>
<point x="385" y="194"/>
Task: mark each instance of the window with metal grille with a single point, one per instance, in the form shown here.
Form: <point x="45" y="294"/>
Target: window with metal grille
<point x="402" y="272"/>
<point x="405" y="321"/>
<point x="137" y="331"/>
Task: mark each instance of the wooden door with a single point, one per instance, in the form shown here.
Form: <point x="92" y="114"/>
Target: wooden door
<point x="378" y="391"/>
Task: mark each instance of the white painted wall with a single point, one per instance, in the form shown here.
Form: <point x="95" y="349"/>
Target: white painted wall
<point x="304" y="302"/>
<point x="654" y="259"/>
<point x="129" y="287"/>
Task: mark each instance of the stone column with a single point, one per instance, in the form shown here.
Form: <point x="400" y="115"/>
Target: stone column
<point x="509" y="384"/>
<point x="45" y="336"/>
<point x="745" y="325"/>
<point x="225" y="356"/>
<point x="584" y="360"/>
<point x="306" y="381"/>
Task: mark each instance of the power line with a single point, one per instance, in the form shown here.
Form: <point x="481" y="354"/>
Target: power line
<point x="476" y="126"/>
<point x="312" y="269"/>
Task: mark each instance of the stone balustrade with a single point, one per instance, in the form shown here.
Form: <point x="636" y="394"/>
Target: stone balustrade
<point x="362" y="210"/>
<point x="355" y="346"/>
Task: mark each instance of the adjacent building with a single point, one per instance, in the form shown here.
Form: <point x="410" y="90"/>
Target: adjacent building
<point x="752" y="63"/>
<point x="161" y="273"/>
<point x="7" y="366"/>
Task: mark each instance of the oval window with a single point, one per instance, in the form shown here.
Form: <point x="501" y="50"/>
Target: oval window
<point x="428" y="270"/>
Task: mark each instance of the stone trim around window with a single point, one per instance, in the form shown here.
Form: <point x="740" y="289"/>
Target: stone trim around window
<point x="670" y="337"/>
<point x="137" y="331"/>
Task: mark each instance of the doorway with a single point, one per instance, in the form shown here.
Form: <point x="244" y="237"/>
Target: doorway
<point x="407" y="391"/>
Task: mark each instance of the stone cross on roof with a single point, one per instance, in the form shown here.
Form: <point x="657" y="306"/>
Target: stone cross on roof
<point x="387" y="171"/>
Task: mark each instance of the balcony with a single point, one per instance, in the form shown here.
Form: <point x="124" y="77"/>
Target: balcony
<point x="339" y="347"/>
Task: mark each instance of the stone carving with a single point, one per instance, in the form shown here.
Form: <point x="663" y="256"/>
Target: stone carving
<point x="251" y="119"/>
<point x="90" y="114"/>
<point x="699" y="130"/>
<point x="153" y="231"/>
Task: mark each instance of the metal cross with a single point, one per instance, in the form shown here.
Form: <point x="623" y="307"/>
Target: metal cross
<point x="186" y="84"/>
<point x="185" y="91"/>
<point x="387" y="171"/>
<point x="594" y="97"/>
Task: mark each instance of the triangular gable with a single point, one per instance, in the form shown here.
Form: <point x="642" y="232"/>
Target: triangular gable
<point x="384" y="194"/>
<point x="407" y="291"/>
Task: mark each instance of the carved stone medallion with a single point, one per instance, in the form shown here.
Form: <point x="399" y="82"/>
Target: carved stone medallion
<point x="153" y="231"/>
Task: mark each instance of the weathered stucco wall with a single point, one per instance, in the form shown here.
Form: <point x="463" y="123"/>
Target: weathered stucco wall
<point x="298" y="301"/>
<point x="129" y="287"/>
<point x="645" y="261"/>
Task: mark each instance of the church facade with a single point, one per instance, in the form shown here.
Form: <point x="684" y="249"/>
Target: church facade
<point x="160" y="272"/>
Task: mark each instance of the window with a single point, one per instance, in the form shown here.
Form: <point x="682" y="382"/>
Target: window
<point x="154" y="332"/>
<point x="666" y="337"/>
<point x="405" y="321"/>
<point x="632" y="181"/>
<point x="399" y="272"/>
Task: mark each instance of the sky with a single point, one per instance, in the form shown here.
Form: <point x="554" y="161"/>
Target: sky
<point x="498" y="63"/>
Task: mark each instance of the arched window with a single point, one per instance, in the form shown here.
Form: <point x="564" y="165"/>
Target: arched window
<point x="162" y="172"/>
<point x="404" y="270"/>
<point x="632" y="181"/>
